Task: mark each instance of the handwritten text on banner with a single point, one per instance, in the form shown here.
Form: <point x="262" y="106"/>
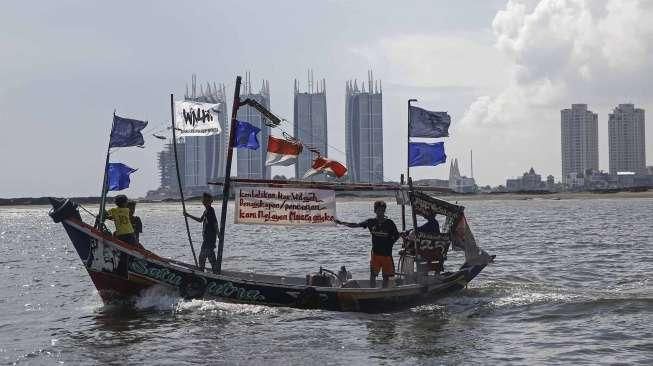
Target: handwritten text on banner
<point x="285" y="206"/>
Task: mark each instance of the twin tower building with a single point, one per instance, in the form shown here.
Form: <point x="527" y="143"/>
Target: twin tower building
<point x="580" y="141"/>
<point x="203" y="159"/>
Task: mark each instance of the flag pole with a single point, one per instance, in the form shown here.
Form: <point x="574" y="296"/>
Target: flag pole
<point x="408" y="141"/>
<point x="227" y="174"/>
<point x="103" y="195"/>
<point x="181" y="189"/>
<point x="403" y="206"/>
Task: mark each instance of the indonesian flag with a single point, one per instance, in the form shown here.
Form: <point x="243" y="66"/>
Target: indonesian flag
<point x="330" y="167"/>
<point x="282" y="152"/>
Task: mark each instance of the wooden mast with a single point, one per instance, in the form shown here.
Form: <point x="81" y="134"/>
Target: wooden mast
<point x="99" y="222"/>
<point x="227" y="175"/>
<point x="181" y="188"/>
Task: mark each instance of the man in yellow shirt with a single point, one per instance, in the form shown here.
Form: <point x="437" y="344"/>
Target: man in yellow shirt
<point x="120" y="216"/>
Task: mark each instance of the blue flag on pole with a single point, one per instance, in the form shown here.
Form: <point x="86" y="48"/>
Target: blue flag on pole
<point x="425" y="154"/>
<point x="126" y="132"/>
<point x="118" y="176"/>
<point x="246" y="135"/>
<point x="425" y="123"/>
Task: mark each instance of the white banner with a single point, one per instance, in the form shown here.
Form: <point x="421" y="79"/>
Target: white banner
<point x="285" y="206"/>
<point x="197" y="119"/>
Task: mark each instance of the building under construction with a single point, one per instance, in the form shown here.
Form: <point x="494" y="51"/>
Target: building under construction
<point x="310" y="124"/>
<point x="364" y="131"/>
<point x="201" y="158"/>
<point x="205" y="156"/>
<point x="251" y="163"/>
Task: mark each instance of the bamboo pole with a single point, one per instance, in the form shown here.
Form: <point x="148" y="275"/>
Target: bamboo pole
<point x="103" y="196"/>
<point x="181" y="188"/>
<point x="227" y="175"/>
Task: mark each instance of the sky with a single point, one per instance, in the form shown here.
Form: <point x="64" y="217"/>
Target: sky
<point x="503" y="69"/>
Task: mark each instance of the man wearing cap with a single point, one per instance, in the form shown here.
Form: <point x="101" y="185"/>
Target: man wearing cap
<point x="384" y="235"/>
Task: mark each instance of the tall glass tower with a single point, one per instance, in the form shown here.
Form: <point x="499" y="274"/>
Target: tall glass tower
<point x="251" y="163"/>
<point x="205" y="156"/>
<point x="364" y="131"/>
<point x="310" y="124"/>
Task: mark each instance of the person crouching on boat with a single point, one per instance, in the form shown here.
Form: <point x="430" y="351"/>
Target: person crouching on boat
<point x="209" y="232"/>
<point x="137" y="224"/>
<point x="384" y="235"/>
<point x="121" y="218"/>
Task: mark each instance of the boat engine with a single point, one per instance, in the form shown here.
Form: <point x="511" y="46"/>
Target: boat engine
<point x="323" y="278"/>
<point x="318" y="280"/>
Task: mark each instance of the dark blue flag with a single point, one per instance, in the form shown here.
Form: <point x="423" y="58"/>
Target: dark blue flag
<point x="118" y="176"/>
<point x="126" y="132"/>
<point x="425" y="154"/>
<point x="246" y="135"/>
<point x="425" y="123"/>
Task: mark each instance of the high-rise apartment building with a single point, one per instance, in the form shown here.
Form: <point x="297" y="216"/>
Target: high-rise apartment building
<point x="251" y="163"/>
<point x="205" y="156"/>
<point x="579" y="134"/>
<point x="626" y="140"/>
<point x="167" y="170"/>
<point x="310" y="124"/>
<point x="364" y="131"/>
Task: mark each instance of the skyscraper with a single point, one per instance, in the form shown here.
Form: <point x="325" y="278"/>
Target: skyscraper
<point x="626" y="140"/>
<point x="251" y="163"/>
<point x="167" y="170"/>
<point x="364" y="131"/>
<point x="310" y="127"/>
<point x="205" y="156"/>
<point x="579" y="133"/>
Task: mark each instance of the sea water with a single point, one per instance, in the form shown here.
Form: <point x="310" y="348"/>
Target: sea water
<point x="571" y="285"/>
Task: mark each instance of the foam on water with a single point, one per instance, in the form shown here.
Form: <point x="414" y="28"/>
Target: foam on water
<point x="224" y="308"/>
<point x="158" y="298"/>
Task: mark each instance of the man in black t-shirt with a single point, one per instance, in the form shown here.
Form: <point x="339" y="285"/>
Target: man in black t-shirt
<point x="384" y="235"/>
<point x="209" y="232"/>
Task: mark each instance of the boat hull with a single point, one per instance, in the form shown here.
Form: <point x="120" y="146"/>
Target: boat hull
<point x="121" y="271"/>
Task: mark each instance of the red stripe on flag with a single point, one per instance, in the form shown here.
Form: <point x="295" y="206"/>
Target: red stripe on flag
<point x="331" y="165"/>
<point x="284" y="147"/>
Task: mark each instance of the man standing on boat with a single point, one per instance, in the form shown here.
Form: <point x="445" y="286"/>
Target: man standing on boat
<point x="209" y="232"/>
<point x="384" y="235"/>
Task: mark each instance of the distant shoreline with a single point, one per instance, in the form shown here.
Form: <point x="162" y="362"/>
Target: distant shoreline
<point x="43" y="201"/>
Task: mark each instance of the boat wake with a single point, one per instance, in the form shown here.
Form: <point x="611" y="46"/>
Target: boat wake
<point x="518" y="297"/>
<point x="159" y="298"/>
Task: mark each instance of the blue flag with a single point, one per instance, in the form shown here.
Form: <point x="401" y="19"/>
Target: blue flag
<point x="246" y="135"/>
<point x="425" y="123"/>
<point x="126" y="132"/>
<point x="425" y="154"/>
<point x="118" y="176"/>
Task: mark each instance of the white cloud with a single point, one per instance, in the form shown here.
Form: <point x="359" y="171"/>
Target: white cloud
<point x="563" y="51"/>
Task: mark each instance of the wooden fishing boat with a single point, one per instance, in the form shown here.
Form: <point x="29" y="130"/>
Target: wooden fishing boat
<point x="121" y="271"/>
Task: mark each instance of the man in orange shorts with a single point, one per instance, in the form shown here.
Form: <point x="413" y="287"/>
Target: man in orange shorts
<point x="384" y="235"/>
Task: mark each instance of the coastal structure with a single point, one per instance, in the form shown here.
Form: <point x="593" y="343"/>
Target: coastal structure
<point x="310" y="123"/>
<point x="364" y="131"/>
<point x="626" y="139"/>
<point x="529" y="181"/>
<point x="459" y="183"/>
<point x="204" y="156"/>
<point x="251" y="163"/>
<point x="579" y="134"/>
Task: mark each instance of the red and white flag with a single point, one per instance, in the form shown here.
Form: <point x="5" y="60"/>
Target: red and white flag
<point x="282" y="152"/>
<point x="330" y="167"/>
